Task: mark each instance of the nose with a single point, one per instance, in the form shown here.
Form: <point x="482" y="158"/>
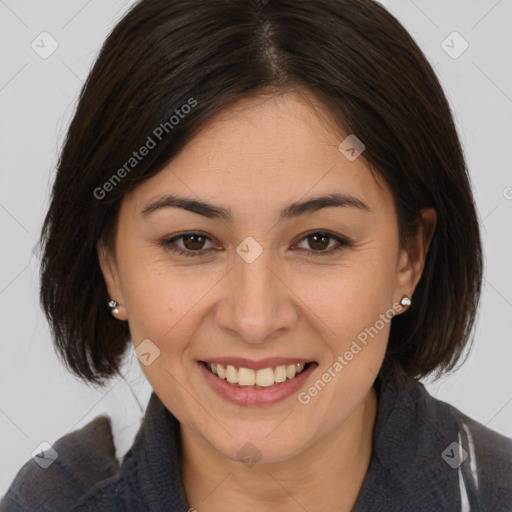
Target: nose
<point x="258" y="305"/>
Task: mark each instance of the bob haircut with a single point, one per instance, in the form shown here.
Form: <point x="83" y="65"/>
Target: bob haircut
<point x="351" y="55"/>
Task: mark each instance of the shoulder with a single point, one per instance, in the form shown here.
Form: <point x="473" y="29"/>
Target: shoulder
<point x="480" y="439"/>
<point x="78" y="462"/>
<point x="460" y="460"/>
<point x="435" y="414"/>
<point x="483" y="455"/>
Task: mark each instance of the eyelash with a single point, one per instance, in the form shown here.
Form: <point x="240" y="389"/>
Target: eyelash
<point x="168" y="244"/>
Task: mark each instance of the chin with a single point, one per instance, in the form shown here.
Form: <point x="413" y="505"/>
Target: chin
<point x="259" y="445"/>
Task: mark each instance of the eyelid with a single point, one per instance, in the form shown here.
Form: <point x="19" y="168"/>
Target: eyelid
<point x="167" y="243"/>
<point x="342" y="242"/>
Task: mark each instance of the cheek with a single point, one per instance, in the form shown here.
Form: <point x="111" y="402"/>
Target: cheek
<point x="353" y="310"/>
<point x="164" y="305"/>
<point x="167" y="304"/>
<point x="352" y="296"/>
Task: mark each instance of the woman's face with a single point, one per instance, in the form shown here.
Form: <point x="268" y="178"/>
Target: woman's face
<point x="262" y="286"/>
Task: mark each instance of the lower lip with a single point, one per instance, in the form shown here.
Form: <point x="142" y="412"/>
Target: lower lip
<point x="256" y="396"/>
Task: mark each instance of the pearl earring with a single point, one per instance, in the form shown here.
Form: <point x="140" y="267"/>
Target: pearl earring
<point x="405" y="302"/>
<point x="112" y="304"/>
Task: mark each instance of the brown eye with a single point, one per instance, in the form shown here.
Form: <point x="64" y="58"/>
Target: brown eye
<point x="193" y="242"/>
<point x="188" y="244"/>
<point x="318" y="243"/>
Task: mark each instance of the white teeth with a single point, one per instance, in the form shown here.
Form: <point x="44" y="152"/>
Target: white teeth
<point x="231" y="374"/>
<point x="248" y="377"/>
<point x="291" y="370"/>
<point x="265" y="377"/>
<point x="280" y="373"/>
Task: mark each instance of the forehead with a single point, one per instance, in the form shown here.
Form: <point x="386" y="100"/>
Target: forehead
<point x="270" y="151"/>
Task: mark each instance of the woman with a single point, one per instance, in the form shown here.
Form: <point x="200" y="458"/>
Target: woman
<point x="270" y="202"/>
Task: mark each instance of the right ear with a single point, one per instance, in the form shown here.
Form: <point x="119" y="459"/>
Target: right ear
<point x="110" y="273"/>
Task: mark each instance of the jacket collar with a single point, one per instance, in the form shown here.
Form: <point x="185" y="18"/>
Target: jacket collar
<point x="412" y="430"/>
<point x="155" y="460"/>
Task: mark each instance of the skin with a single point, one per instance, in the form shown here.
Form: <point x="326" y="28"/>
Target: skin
<point x="256" y="157"/>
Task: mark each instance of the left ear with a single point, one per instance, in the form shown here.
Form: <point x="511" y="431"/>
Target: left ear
<point x="411" y="261"/>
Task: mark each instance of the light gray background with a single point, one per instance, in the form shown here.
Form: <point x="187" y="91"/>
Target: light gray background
<point x="39" y="400"/>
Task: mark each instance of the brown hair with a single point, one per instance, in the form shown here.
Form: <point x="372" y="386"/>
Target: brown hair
<point x="351" y="54"/>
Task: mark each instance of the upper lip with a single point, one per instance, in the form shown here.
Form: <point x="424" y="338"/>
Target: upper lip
<point x="241" y="362"/>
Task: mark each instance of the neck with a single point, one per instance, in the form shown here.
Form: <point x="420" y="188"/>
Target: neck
<point x="327" y="476"/>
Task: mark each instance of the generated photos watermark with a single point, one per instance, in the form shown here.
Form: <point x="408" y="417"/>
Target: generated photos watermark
<point x="151" y="142"/>
<point x="304" y="397"/>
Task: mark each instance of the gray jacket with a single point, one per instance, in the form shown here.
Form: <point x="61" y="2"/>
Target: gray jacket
<point x="427" y="457"/>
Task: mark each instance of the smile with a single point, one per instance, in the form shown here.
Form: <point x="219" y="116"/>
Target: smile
<point x="250" y="383"/>
<point x="262" y="378"/>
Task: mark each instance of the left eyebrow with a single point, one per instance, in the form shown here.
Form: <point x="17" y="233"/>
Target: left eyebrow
<point x="317" y="203"/>
<point x="292" y="210"/>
